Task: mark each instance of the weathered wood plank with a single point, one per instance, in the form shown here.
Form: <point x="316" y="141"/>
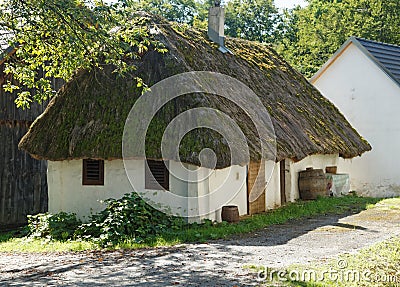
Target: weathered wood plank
<point x="256" y="185"/>
<point x="23" y="180"/>
<point x="23" y="186"/>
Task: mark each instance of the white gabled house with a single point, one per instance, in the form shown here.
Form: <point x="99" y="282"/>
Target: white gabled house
<point x="363" y="80"/>
<point x="80" y="133"/>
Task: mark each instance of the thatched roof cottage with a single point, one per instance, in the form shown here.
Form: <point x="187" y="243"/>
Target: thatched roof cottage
<point x="80" y="132"/>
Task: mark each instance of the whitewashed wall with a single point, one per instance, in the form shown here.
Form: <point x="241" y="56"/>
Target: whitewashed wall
<point x="66" y="192"/>
<point x="229" y="184"/>
<point x="273" y="186"/>
<point x="315" y="161"/>
<point x="292" y="169"/>
<point x="370" y="100"/>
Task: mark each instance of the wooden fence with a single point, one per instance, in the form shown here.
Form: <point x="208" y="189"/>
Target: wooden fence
<point x="23" y="180"/>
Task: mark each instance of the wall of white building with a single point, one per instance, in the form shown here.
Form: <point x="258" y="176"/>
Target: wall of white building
<point x="292" y="169"/>
<point x="370" y="100"/>
<point x="317" y="161"/>
<point x="66" y="192"/>
<point x="273" y="186"/>
<point x="211" y="188"/>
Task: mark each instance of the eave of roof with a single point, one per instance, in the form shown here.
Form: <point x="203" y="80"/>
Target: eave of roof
<point x="358" y="42"/>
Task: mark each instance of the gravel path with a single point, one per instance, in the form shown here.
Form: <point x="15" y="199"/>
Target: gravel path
<point x="219" y="263"/>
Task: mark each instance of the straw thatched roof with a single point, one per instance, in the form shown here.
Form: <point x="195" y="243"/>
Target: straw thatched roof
<point x="87" y="117"/>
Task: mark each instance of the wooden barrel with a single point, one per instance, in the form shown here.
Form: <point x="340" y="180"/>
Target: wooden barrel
<point x="230" y="213"/>
<point x="312" y="183"/>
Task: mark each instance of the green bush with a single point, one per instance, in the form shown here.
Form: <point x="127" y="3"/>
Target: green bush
<point x="128" y="218"/>
<point x="60" y="226"/>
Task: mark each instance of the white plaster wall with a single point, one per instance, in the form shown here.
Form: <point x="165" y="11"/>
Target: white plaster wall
<point x="273" y="186"/>
<point x="370" y="100"/>
<point x="66" y="192"/>
<point x="228" y="185"/>
<point x="225" y="186"/>
<point x="315" y="161"/>
<point x="211" y="188"/>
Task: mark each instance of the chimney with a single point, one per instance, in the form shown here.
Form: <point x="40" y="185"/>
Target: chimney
<point x="216" y="22"/>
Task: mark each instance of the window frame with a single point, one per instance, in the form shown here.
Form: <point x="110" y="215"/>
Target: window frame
<point x="89" y="181"/>
<point x="150" y="166"/>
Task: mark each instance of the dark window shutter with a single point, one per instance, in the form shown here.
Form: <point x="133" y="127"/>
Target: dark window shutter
<point x="160" y="173"/>
<point x="93" y="172"/>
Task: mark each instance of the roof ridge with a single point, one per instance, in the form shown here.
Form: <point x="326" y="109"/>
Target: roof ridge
<point x="376" y="42"/>
<point x="385" y="55"/>
<point x="375" y="51"/>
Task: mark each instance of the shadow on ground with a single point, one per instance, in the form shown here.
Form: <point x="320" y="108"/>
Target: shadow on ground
<point x="218" y="263"/>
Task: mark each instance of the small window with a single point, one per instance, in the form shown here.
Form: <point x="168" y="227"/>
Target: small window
<point x="160" y="178"/>
<point x="93" y="172"/>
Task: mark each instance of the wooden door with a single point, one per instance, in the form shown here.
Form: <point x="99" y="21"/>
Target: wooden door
<point x="256" y="186"/>
<point x="283" y="181"/>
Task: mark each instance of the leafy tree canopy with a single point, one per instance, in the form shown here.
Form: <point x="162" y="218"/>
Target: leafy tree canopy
<point x="251" y="19"/>
<point x="182" y="11"/>
<point x="55" y="38"/>
<point x="248" y="19"/>
<point x="312" y="34"/>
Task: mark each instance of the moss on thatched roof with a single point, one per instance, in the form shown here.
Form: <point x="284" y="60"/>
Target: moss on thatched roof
<point x="86" y="118"/>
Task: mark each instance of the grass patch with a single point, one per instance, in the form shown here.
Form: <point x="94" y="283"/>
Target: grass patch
<point x="387" y="204"/>
<point x="374" y="266"/>
<point x="377" y="265"/>
<point x="298" y="210"/>
<point x="6" y="236"/>
<point x="42" y="245"/>
<point x="203" y="232"/>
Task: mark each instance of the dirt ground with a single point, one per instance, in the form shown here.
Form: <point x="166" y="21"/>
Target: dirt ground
<point x="218" y="263"/>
